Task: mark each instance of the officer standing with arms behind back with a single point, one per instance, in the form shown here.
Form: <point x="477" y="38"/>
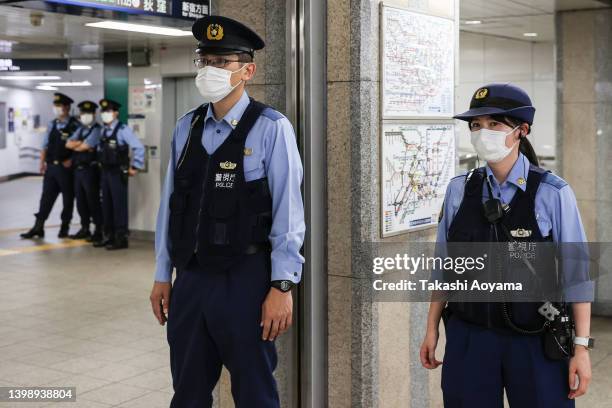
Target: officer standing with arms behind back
<point x="231" y="221"/>
<point x="56" y="166"/>
<point x="86" y="171"/>
<point x="114" y="156"/>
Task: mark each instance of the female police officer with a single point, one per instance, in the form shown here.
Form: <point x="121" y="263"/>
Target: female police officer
<point x="485" y="356"/>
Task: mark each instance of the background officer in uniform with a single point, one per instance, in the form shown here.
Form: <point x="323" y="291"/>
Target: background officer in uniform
<point x="56" y="166"/>
<point x="231" y="221"/>
<point x="116" y="143"/>
<point x="493" y="346"/>
<point x="86" y="171"/>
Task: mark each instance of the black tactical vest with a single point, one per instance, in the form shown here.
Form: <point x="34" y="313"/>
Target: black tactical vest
<point x="214" y="213"/>
<point x="112" y="155"/>
<point x="470" y="225"/>
<point x="56" y="146"/>
<point x="82" y="159"/>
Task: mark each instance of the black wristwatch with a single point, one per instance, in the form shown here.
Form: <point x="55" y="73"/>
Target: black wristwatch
<point x="282" y="285"/>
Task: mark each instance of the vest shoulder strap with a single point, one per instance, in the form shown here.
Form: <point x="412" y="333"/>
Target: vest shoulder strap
<point x="246" y="123"/>
<point x="473" y="181"/>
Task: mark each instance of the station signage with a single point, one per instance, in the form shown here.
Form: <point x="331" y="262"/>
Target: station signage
<point x="33" y="64"/>
<point x="189" y="10"/>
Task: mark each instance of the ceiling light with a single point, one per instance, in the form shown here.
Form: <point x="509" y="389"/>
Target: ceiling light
<point x="46" y="88"/>
<point x="140" y="28"/>
<point x="77" y="67"/>
<point x="29" y="77"/>
<point x="61" y="84"/>
<point x="473" y="22"/>
<point x="530" y="34"/>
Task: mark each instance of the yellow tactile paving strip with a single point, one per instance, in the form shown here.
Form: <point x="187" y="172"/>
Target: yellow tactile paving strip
<point x="12" y="244"/>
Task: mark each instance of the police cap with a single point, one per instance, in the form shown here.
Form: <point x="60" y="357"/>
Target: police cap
<point x="109" y="104"/>
<point x="500" y="99"/>
<point x="222" y="35"/>
<point x="61" y="99"/>
<point x="88" y="106"/>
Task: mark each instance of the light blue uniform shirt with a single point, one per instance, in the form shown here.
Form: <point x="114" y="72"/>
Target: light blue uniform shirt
<point x="60" y="125"/>
<point x="92" y="139"/>
<point x="274" y="155"/>
<point x="127" y="136"/>
<point x="556" y="213"/>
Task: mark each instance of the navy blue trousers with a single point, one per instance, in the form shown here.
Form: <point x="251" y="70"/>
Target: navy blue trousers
<point x="114" y="202"/>
<point x="479" y="363"/>
<point x="87" y="192"/>
<point x="57" y="179"/>
<point x="213" y="321"/>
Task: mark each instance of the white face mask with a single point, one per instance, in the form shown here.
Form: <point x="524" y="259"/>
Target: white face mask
<point x="215" y="84"/>
<point x="87" y="118"/>
<point x="107" y="117"/>
<point x="58" y="111"/>
<point x="491" y="144"/>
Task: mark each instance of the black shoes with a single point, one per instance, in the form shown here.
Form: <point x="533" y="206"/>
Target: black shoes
<point x="120" y="242"/>
<point x="96" y="237"/>
<point x="63" y="232"/>
<point x="38" y="230"/>
<point x="83" y="233"/>
<point x="102" y="242"/>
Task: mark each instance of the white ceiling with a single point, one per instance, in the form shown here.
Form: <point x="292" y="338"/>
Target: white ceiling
<point x="66" y="35"/>
<point x="512" y="18"/>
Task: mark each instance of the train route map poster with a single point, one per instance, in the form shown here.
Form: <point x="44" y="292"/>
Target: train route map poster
<point x="418" y="61"/>
<point x="418" y="161"/>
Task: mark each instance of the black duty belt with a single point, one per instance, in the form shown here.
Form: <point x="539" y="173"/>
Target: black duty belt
<point x="254" y="248"/>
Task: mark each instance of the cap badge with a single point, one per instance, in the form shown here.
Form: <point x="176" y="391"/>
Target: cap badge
<point x="227" y="165"/>
<point x="214" y="32"/>
<point x="481" y="93"/>
<point x="87" y="105"/>
<point x="104" y="103"/>
<point x="56" y="98"/>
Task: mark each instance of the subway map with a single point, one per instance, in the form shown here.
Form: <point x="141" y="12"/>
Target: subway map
<point x="417" y="64"/>
<point x="418" y="161"/>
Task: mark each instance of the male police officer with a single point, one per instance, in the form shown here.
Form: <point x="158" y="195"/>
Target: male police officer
<point x="114" y="155"/>
<point x="231" y="221"/>
<point x="56" y="165"/>
<point x="86" y="172"/>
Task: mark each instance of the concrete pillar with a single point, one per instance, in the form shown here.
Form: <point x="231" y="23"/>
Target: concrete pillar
<point x="584" y="139"/>
<point x="372" y="347"/>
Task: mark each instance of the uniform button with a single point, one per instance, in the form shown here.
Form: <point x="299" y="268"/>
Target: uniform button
<point x="218" y="131"/>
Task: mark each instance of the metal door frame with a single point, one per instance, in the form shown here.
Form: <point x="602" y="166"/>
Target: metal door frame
<point x="306" y="101"/>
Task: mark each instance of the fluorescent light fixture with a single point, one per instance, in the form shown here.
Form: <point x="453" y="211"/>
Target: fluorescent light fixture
<point x="62" y="84"/>
<point x="79" y="67"/>
<point x="29" y="77"/>
<point x="530" y="34"/>
<point x="140" y="28"/>
<point x="46" y="88"/>
<point x="473" y="22"/>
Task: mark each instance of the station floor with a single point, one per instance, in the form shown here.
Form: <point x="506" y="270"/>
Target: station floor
<point x="74" y="315"/>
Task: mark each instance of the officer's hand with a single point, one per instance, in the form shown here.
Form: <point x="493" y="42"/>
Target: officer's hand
<point x="428" y="350"/>
<point x="276" y="314"/>
<point x="579" y="365"/>
<point x="160" y="300"/>
<point x="43" y="167"/>
<point x="67" y="163"/>
<point x="132" y="172"/>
